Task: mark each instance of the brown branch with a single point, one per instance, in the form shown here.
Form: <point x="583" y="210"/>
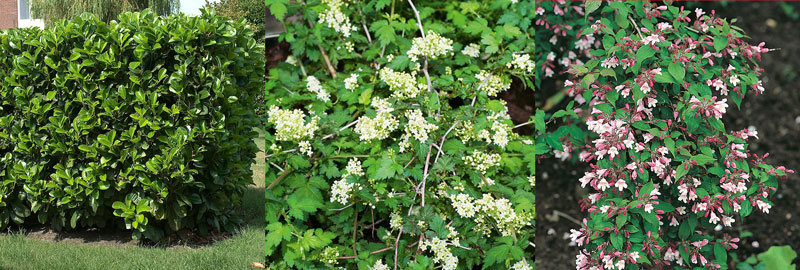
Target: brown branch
<point x="283" y="175"/>
<point x="371" y="253"/>
<point x="327" y="61"/>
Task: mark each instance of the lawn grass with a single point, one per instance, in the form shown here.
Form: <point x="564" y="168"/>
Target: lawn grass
<point x="18" y="251"/>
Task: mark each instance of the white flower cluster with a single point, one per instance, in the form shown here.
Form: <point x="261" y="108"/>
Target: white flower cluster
<point x="353" y="168"/>
<point x="290" y="124"/>
<point x="493" y="84"/>
<point x="431" y="46"/>
<point x="417" y="127"/>
<point x="340" y="191"/>
<point x="464" y="205"/>
<point x="472" y="50"/>
<point x="351" y="82"/>
<point x="482" y="161"/>
<point x="442" y="254"/>
<point x="501" y="131"/>
<point x="334" y="18"/>
<point x="305" y="148"/>
<point x="380" y="126"/>
<point x="395" y="221"/>
<point x="508" y="221"/>
<point x="379" y="265"/>
<point x="522" y="61"/>
<point x="402" y="84"/>
<point x="501" y="210"/>
<point x="521" y="265"/>
<point x="314" y="86"/>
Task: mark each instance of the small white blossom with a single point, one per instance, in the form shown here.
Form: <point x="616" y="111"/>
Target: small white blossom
<point x="380" y="126"/>
<point x="522" y="61"/>
<point x="351" y="83"/>
<point x="353" y="168"/>
<point x="491" y="84"/>
<point x="402" y="84"/>
<point x="431" y="46"/>
<point x="340" y="191"/>
<point x="334" y="18"/>
<point x="482" y="161"/>
<point x="521" y="265"/>
<point x="314" y="86"/>
<point x="472" y="50"/>
<point x="379" y="265"/>
<point x="290" y="124"/>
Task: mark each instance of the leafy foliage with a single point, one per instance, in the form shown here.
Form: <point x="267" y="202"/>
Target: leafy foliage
<point x="144" y="123"/>
<point x="646" y="116"/>
<point x="387" y="142"/>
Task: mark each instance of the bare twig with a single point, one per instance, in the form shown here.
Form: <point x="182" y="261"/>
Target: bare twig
<point x="327" y="61"/>
<point x="425" y="173"/>
<point x="523" y="124"/>
<point x="371" y="253"/>
<point x="636" y="26"/>
<point x="396" y="246"/>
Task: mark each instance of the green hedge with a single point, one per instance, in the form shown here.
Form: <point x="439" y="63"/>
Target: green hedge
<point x="144" y="124"/>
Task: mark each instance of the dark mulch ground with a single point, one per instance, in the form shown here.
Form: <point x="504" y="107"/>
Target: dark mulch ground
<point x="775" y="114"/>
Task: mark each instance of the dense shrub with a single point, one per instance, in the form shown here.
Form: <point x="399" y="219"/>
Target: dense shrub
<point x="144" y="123"/>
<point x="665" y="174"/>
<point x="388" y="145"/>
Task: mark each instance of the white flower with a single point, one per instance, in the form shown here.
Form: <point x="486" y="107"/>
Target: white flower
<point x="380" y="126"/>
<point x="315" y="87"/>
<point x="417" y="126"/>
<point x="431" y="46"/>
<point x="491" y="84"/>
<point x="482" y="161"/>
<point x="442" y="254"/>
<point x="464" y="205"/>
<point x="340" y="191"/>
<point x="521" y="61"/>
<point x="290" y="124"/>
<point x="472" y="50"/>
<point x="334" y="18"/>
<point x="351" y="82"/>
<point x="521" y="265"/>
<point x="379" y="265"/>
<point x="305" y="147"/>
<point x="402" y="84"/>
<point x="353" y="168"/>
<point x="621" y="184"/>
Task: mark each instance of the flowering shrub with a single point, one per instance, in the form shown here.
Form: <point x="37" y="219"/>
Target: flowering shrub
<point x="664" y="170"/>
<point x="387" y="144"/>
<point x="559" y="39"/>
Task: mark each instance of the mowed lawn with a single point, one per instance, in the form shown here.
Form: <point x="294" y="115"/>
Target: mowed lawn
<point x="19" y="251"/>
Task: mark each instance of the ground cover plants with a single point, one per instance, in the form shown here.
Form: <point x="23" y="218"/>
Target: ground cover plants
<point x="388" y="147"/>
<point x="145" y="123"/>
<point x="665" y="175"/>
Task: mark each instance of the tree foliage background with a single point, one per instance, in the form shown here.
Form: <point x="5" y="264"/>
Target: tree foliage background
<point x="253" y="11"/>
<point x="105" y="10"/>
